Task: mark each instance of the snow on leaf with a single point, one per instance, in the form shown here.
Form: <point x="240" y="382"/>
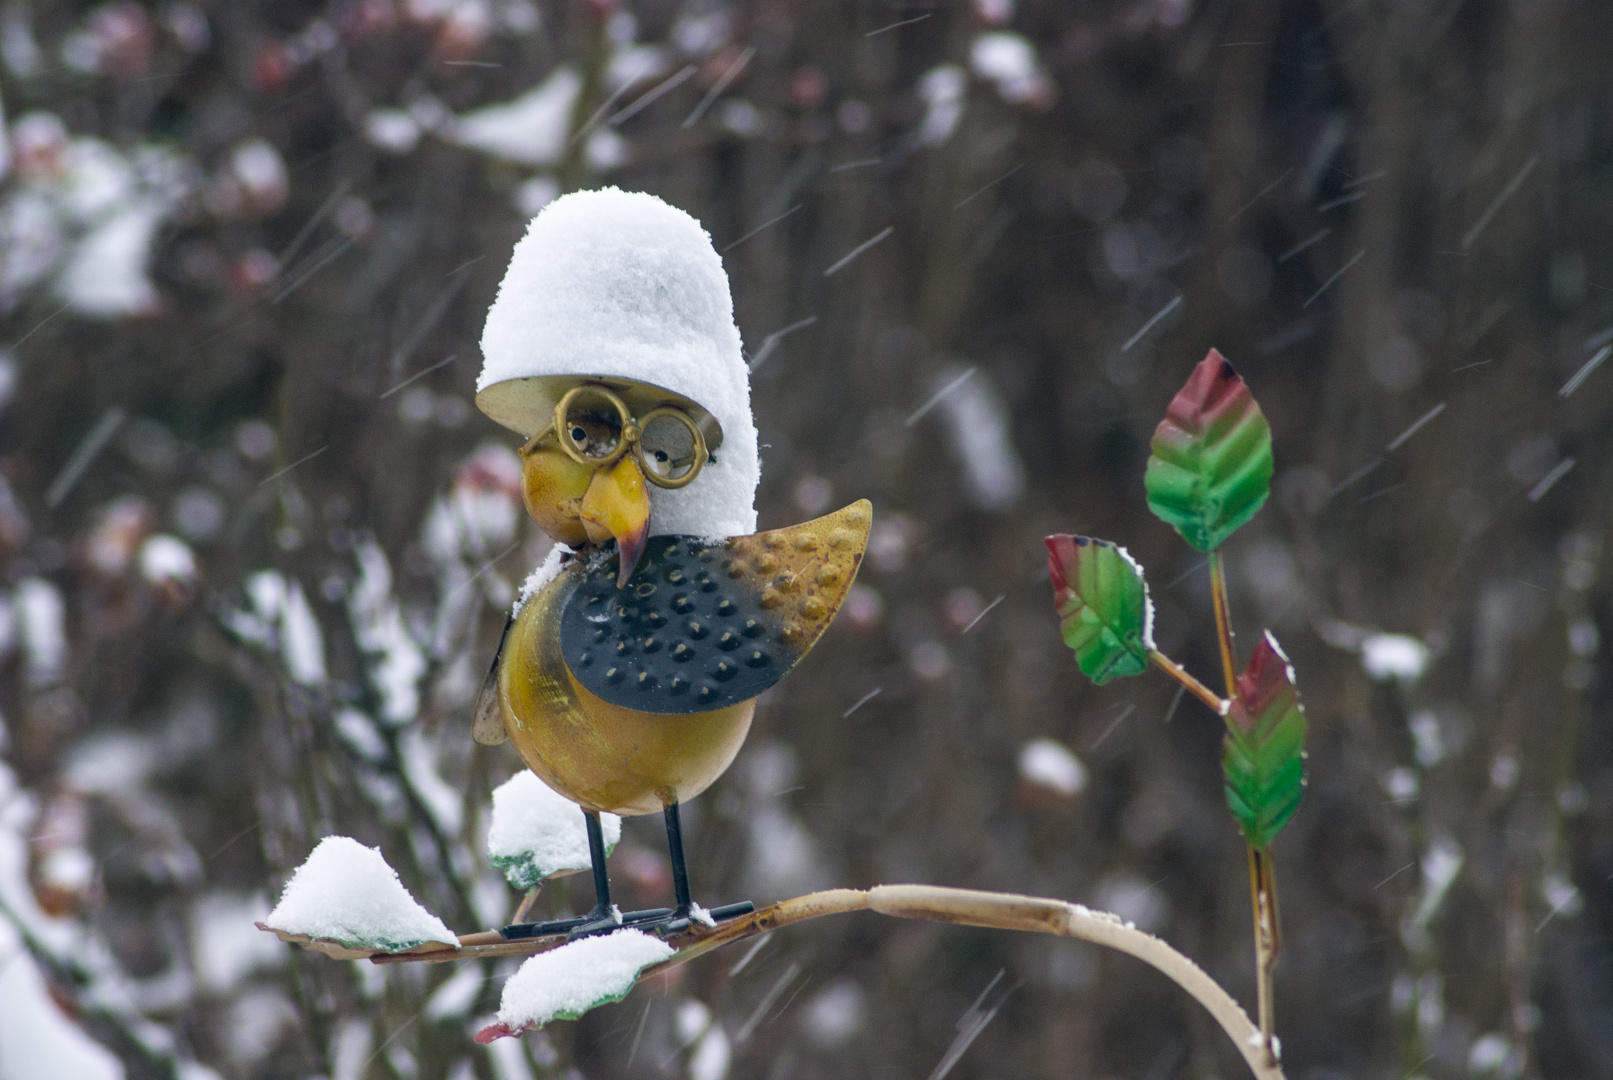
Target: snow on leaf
<point x="564" y="983"/>
<point x="538" y="833"/>
<point x="1211" y="464"/>
<point x="346" y="893"/>
<point x="1263" y="757"/>
<point x="1103" y="606"/>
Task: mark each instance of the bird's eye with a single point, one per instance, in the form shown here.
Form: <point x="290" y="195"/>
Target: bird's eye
<point x="661" y="456"/>
<point x="579" y="435"/>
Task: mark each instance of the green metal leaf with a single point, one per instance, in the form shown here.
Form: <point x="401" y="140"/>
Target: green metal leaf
<point x="1211" y="465"/>
<point x="1263" y="758"/>
<point x="1103" y="606"/>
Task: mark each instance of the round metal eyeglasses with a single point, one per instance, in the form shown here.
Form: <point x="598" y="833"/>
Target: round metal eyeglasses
<point x="575" y="427"/>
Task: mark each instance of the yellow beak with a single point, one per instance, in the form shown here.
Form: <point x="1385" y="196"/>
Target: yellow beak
<point x="617" y="506"/>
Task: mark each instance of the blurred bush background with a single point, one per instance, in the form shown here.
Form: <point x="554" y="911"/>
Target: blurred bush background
<point x="255" y="542"/>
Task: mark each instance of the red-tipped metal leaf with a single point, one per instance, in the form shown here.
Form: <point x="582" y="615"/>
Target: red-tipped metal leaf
<point x="1210" y="467"/>
<point x="1102" y="601"/>
<point x="1263" y="758"/>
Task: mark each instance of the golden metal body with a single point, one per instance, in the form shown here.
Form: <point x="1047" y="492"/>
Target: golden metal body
<point x="614" y="759"/>
<point x="601" y="756"/>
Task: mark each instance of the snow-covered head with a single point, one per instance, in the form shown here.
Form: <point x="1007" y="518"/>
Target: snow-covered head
<point x="620" y="287"/>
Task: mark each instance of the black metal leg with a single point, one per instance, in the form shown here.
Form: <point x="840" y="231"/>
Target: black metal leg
<point x="596" y="852"/>
<point x="680" y="871"/>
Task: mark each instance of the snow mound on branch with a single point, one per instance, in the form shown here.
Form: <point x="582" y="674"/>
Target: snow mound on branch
<point x="616" y="283"/>
<point x="347" y="893"/>
<point x="564" y="983"/>
<point x="537" y="832"/>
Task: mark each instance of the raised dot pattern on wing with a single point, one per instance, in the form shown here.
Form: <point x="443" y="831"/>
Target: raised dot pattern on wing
<point x="701" y="626"/>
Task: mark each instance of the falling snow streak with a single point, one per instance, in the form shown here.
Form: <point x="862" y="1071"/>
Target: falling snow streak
<point x="1175" y="303"/>
<point x="1359" y="474"/>
<point x="37" y="327"/>
<point x="308" y="228"/>
<point x="1267" y="190"/>
<point x="718" y="87"/>
<point x="427" y="323"/>
<point x="1417" y="425"/>
<point x="1175" y="701"/>
<point x="969" y="1027"/>
<point x="616" y="95"/>
<point x="1303" y="244"/>
<point x="1500" y="200"/>
<point x="484" y="568"/>
<point x="418" y="374"/>
<point x="864" y="163"/>
<point x="1560" y="470"/>
<point x="305" y="458"/>
<point x="1585" y="372"/>
<point x="750" y="954"/>
<point x="983" y="613"/>
<point x="1328" y="284"/>
<point x="860" y="702"/>
<point x="940" y="395"/>
<point x="654" y="94"/>
<point x="858" y="250"/>
<point x="1367" y="179"/>
<point x="1113" y="724"/>
<point x="988" y="187"/>
<point x="1392" y="876"/>
<point x="759" y="228"/>
<point x="331" y="252"/>
<point x="768" y="1000"/>
<point x="894" y="25"/>
<point x="770" y="342"/>
<point x="1342" y="200"/>
<point x="93" y="443"/>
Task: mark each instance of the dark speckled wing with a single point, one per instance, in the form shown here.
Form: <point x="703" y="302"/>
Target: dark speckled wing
<point x="704" y="625"/>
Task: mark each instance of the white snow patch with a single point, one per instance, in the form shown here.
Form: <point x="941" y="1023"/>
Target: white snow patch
<point x="564" y="983"/>
<point x="456" y="996"/>
<point x="712" y="1056"/>
<point x="442" y="799"/>
<point x="942" y="89"/>
<point x="397" y="661"/>
<point x="392" y="130"/>
<point x="106" y="274"/>
<point x="165" y="558"/>
<point x="300" y="638"/>
<point x="1394" y="656"/>
<point x="1050" y="764"/>
<point x="546" y="571"/>
<point x="530" y="130"/>
<point x="615" y="283"/>
<point x="225" y="945"/>
<point x="978" y="422"/>
<point x="42" y="619"/>
<point x="346" y="892"/>
<point x="36" y="1039"/>
<point x="701" y="915"/>
<point x="1009" y="60"/>
<point x="537" y="832"/>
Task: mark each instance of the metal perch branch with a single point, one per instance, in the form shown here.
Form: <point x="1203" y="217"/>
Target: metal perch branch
<point x="968" y="907"/>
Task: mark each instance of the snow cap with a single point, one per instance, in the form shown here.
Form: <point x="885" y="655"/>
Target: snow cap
<point x="613" y="285"/>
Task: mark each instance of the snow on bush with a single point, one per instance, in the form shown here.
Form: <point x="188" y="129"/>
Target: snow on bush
<point x="564" y="983"/>
<point x="347" y="893"/>
<point x="537" y="832"/>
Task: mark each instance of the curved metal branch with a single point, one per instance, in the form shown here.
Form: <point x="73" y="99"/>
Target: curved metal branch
<point x="934" y="903"/>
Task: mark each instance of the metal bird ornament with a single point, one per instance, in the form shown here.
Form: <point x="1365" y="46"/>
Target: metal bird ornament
<point x="627" y="677"/>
